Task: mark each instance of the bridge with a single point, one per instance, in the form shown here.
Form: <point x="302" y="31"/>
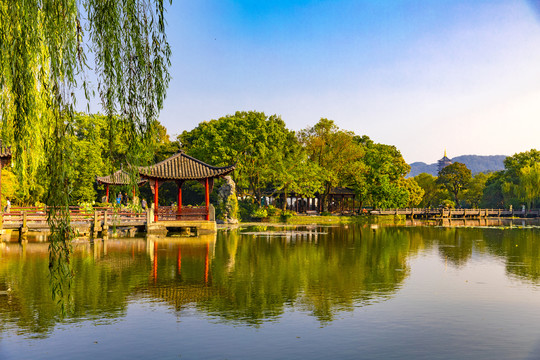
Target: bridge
<point x="456" y="213"/>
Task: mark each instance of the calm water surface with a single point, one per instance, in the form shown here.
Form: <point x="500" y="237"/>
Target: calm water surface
<point x="343" y="292"/>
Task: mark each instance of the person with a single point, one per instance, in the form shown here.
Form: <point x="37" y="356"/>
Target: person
<point x="119" y="198"/>
<point x="144" y="204"/>
<point x="8" y="206"/>
<point x="126" y="199"/>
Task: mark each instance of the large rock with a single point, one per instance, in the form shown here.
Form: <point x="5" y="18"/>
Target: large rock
<point x="227" y="202"/>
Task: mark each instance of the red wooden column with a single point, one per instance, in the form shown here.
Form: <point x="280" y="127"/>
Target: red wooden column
<point x="179" y="183"/>
<point x="207" y="196"/>
<point x="107" y="193"/>
<point x="156" y="187"/>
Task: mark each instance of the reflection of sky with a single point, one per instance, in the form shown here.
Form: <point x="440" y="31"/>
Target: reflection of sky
<point x="461" y="75"/>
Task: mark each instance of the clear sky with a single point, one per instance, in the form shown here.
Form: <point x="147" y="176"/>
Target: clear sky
<point x="424" y="76"/>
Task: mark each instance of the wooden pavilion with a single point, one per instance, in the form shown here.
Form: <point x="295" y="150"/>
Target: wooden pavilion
<point x="180" y="168"/>
<point x="341" y="200"/>
<point x="120" y="177"/>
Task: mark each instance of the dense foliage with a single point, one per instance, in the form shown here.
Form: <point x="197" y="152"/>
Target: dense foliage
<point x="275" y="161"/>
<point x="271" y="160"/>
<point x="518" y="185"/>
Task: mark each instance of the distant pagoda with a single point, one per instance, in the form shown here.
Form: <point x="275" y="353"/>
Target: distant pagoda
<point x="444" y="162"/>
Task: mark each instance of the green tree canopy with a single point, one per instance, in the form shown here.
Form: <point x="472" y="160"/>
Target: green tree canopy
<point x="455" y="178"/>
<point x="475" y="191"/>
<point x="334" y="152"/>
<point x="251" y="140"/>
<point x="434" y="195"/>
<point x="383" y="179"/>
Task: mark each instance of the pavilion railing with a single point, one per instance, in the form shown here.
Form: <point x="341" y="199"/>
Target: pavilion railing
<point x="172" y="213"/>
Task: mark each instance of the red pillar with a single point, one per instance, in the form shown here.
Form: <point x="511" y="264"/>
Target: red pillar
<point x="179" y="198"/>
<point x="206" y="264"/>
<point x="154" y="269"/>
<point x="107" y="193"/>
<point x="207" y="195"/>
<point x="156" y="200"/>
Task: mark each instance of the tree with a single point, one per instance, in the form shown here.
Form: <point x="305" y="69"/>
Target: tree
<point x="415" y="192"/>
<point x="475" y="191"/>
<point x="529" y="184"/>
<point x="433" y="194"/>
<point x="383" y="177"/>
<point x="256" y="143"/>
<point x="335" y="153"/>
<point x="493" y="194"/>
<point x="43" y="63"/>
<point x="295" y="173"/>
<point x="511" y="183"/>
<point x="455" y="178"/>
<point x="514" y="163"/>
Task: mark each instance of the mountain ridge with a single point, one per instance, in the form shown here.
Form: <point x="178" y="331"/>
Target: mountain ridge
<point x="476" y="163"/>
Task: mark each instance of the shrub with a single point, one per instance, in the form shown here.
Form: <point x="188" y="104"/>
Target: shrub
<point x="246" y="207"/>
<point x="448" y="204"/>
<point x="273" y="211"/>
<point x="259" y="213"/>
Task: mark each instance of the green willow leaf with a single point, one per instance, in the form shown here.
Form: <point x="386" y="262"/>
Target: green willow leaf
<point x="43" y="68"/>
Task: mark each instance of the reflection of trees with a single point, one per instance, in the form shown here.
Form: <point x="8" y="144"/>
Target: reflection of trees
<point x="240" y="278"/>
<point x="455" y="245"/>
<point x="246" y="279"/>
<point x="101" y="285"/>
<point x="520" y="248"/>
<point x="329" y="273"/>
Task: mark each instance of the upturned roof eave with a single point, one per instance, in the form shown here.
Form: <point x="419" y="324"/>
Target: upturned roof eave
<point x="148" y="175"/>
<point x="119" y="177"/>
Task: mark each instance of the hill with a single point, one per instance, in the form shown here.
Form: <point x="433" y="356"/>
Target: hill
<point x="477" y="164"/>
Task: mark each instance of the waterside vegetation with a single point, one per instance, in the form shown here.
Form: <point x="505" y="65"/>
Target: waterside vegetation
<point x="274" y="161"/>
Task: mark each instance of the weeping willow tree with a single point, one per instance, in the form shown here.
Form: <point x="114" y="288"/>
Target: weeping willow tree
<point x="44" y="47"/>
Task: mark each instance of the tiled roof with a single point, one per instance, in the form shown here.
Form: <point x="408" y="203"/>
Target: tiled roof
<point x="183" y="167"/>
<point x="120" y="177"/>
<point x="341" y="191"/>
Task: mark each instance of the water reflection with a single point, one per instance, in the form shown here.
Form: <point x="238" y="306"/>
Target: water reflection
<point x="246" y="276"/>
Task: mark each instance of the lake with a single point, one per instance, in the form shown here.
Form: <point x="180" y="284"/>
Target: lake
<point x="306" y="292"/>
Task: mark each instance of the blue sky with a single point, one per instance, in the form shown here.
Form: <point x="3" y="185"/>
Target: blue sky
<point x="422" y="75"/>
